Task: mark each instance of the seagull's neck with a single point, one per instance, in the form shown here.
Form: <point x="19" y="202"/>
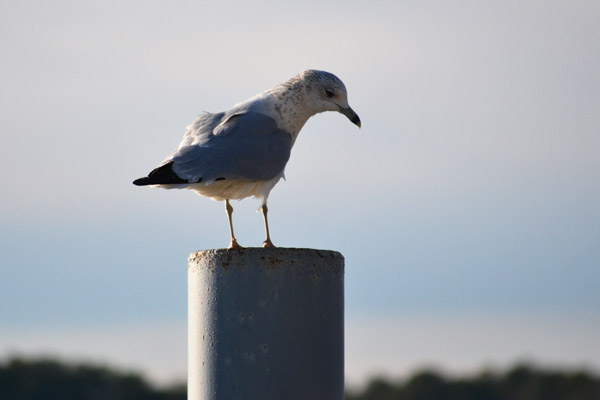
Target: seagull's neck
<point x="291" y="106"/>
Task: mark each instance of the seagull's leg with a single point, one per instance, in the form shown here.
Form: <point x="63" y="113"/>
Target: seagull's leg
<point x="267" y="242"/>
<point x="234" y="244"/>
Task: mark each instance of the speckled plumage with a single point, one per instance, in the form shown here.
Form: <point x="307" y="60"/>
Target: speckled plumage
<point x="242" y="152"/>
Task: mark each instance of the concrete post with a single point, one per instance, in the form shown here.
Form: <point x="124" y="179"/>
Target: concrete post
<point x="266" y="324"/>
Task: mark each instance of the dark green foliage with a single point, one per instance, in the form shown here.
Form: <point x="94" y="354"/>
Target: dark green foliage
<point x="53" y="380"/>
<point x="426" y="386"/>
<point x="378" y="389"/>
<point x="521" y="383"/>
<point x="50" y="380"/>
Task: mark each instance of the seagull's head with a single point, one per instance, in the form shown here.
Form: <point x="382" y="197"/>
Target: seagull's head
<point x="326" y="92"/>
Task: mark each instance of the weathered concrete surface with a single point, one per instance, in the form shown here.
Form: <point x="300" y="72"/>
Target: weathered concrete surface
<point x="266" y="324"/>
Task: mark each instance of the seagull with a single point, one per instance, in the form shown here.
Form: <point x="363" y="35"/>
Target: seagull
<point x="243" y="152"/>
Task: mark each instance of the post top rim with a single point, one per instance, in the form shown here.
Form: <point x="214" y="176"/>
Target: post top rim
<point x="262" y="251"/>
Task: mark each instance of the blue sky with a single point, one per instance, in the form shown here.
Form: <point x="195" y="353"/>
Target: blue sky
<point x="466" y="206"/>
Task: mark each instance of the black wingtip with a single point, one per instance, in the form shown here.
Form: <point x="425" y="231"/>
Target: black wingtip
<point x="141" y="182"/>
<point x="162" y="175"/>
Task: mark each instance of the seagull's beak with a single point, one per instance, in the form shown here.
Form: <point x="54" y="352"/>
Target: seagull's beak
<point x="352" y="116"/>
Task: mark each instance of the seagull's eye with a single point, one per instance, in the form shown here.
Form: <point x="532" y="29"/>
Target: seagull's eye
<point x="329" y="93"/>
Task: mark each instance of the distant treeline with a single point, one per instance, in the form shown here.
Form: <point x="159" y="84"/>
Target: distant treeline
<point x="47" y="379"/>
<point x="51" y="379"/>
<point x="523" y="382"/>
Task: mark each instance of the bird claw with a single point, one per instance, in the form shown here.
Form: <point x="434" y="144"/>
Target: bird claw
<point x="234" y="245"/>
<point x="268" y="243"/>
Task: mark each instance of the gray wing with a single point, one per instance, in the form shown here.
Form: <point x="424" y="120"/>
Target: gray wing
<point x="247" y="146"/>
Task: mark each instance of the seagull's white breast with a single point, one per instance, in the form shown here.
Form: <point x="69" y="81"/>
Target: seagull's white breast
<point x="236" y="189"/>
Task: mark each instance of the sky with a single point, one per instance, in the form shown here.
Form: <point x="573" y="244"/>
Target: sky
<point x="466" y="207"/>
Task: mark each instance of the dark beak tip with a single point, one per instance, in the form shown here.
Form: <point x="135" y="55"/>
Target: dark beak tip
<point x="351" y="115"/>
